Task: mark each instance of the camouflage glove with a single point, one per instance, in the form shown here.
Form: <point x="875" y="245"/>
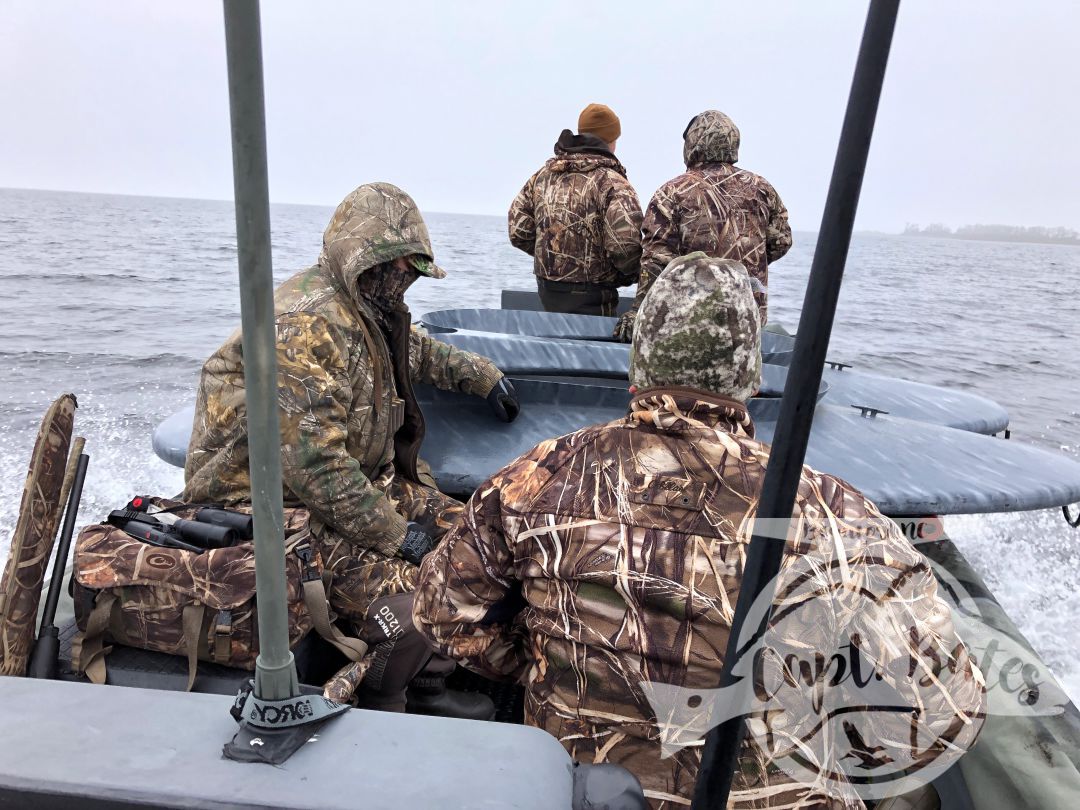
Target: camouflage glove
<point x="342" y="687"/>
<point x="624" y="329"/>
<point x="416" y="544"/>
<point x="503" y="400"/>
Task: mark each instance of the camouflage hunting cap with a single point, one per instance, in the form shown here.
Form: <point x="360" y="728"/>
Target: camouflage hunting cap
<point x="710" y="137"/>
<point x="698" y="327"/>
<point x="376" y="223"/>
<point x="426" y="267"/>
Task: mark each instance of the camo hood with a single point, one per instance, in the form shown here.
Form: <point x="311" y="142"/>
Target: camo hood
<point x="376" y="223"/>
<point x="698" y="327"/>
<point x="710" y="137"/>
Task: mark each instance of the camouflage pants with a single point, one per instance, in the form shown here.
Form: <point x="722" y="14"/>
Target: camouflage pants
<point x="359" y="576"/>
<point x="668" y="783"/>
<point x="375" y="592"/>
<point x="577" y="299"/>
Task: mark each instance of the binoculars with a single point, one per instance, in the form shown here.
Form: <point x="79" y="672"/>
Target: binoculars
<point x="212" y="527"/>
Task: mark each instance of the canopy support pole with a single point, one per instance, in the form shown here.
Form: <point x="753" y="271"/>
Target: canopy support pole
<point x="275" y="670"/>
<point x="776" y="506"/>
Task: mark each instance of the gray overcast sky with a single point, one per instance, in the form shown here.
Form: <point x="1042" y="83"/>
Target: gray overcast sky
<point x="459" y="102"/>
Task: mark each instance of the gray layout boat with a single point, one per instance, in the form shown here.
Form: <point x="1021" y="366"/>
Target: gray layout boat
<point x="913" y="449"/>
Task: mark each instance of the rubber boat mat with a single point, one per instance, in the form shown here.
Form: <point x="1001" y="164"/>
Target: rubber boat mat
<point x="509" y="698"/>
<point x="315" y="663"/>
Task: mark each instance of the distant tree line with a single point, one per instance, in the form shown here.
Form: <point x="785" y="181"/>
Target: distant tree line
<point x="999" y="233"/>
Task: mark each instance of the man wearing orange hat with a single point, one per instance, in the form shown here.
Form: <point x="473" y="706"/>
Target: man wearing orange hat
<point x="580" y="220"/>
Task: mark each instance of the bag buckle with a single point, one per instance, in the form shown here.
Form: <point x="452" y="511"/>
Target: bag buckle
<point x="223" y="623"/>
<point x="307" y="556"/>
<point x="223" y="630"/>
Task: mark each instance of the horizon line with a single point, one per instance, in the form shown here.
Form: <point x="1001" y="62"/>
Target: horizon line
<point x="231" y="201"/>
<point x="308" y="205"/>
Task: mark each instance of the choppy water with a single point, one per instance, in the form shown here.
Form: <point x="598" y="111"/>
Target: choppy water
<point x="120" y="299"/>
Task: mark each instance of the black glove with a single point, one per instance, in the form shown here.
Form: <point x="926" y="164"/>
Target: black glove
<point x="417" y="543"/>
<point x="503" y="400"/>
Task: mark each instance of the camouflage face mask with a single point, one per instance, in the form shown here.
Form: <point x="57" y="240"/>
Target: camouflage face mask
<point x="384" y="285"/>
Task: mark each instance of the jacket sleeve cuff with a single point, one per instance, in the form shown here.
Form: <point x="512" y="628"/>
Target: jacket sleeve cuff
<point x="390" y="542"/>
<point x="487" y="379"/>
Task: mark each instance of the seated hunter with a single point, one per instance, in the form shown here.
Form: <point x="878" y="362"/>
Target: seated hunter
<point x="350" y="432"/>
<point x="600" y="571"/>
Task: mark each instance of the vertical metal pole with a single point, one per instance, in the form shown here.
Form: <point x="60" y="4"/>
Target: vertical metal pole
<point x="723" y="743"/>
<point x="275" y="671"/>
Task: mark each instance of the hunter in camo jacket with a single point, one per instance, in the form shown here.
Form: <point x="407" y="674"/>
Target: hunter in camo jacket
<point x="580" y="220"/>
<point x="716" y="207"/>
<point x="607" y="562"/>
<point x="350" y="425"/>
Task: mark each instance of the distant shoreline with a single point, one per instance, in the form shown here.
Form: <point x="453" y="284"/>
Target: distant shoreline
<point x="998" y="233"/>
<point x="1074" y="243"/>
<point x="172" y="198"/>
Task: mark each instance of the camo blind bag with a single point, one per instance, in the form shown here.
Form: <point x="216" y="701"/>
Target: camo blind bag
<point x="201" y="606"/>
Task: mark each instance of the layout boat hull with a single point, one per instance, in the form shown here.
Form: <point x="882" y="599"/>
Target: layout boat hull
<point x="905" y="467"/>
<point x="568" y="346"/>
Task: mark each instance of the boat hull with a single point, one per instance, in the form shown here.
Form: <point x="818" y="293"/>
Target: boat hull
<point x="905" y="467"/>
<point x="573" y="346"/>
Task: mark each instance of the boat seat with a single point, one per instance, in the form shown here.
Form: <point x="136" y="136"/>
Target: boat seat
<point x="146" y="669"/>
<point x="316" y="662"/>
<point x="529" y="300"/>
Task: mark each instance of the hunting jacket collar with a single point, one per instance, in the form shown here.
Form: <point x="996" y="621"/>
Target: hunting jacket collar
<point x="679" y="408"/>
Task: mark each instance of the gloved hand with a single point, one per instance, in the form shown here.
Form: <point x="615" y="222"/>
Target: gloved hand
<point x="503" y="400"/>
<point x="624" y="328"/>
<point x="417" y="543"/>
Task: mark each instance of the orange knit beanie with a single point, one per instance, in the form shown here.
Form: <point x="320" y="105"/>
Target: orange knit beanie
<point x="599" y="120"/>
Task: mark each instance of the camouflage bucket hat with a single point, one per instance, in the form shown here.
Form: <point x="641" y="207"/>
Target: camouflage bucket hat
<point x="698" y="327"/>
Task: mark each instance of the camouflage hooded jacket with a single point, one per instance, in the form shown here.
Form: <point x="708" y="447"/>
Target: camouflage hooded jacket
<point x="715" y="207"/>
<point x="339" y="405"/>
<point x="579" y="217"/>
<point x="603" y="567"/>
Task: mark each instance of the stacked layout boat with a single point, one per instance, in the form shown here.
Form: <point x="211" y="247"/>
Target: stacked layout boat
<point x="914" y="449"/>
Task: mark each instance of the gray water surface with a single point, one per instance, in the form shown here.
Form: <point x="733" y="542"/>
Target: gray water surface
<point x="121" y="299"/>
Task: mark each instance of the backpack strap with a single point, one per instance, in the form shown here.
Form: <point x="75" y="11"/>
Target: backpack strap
<point x="315" y="601"/>
<point x="192" y="623"/>
<point x="88" y="648"/>
<point x="318" y="607"/>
